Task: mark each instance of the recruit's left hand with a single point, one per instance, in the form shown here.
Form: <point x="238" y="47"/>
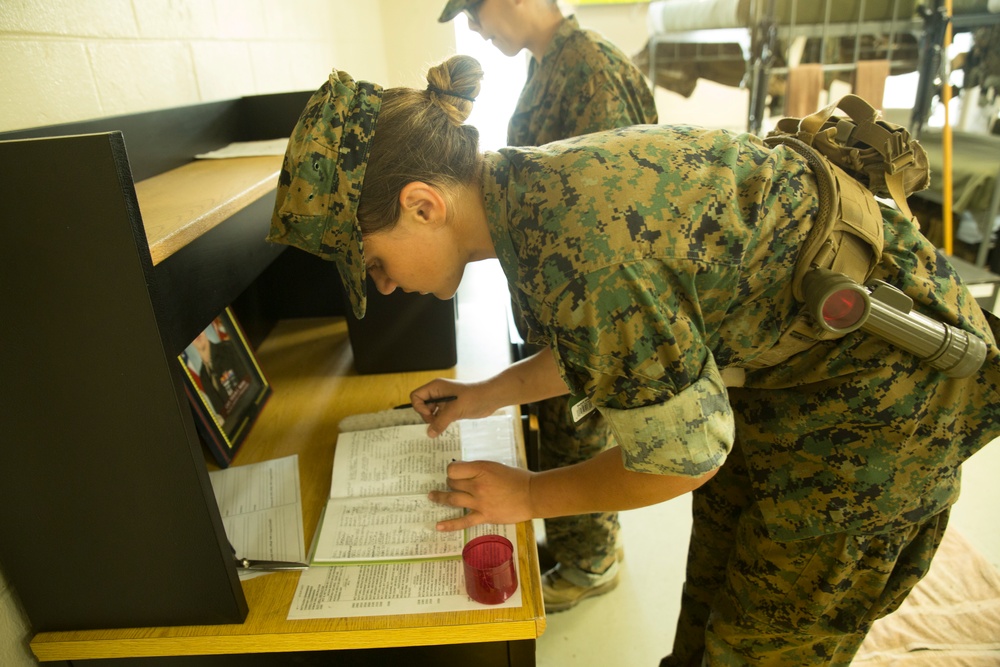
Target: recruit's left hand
<point x="492" y="492"/>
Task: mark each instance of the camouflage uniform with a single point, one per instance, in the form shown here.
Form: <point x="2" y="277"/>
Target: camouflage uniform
<point x="583" y="84"/>
<point x="650" y="258"/>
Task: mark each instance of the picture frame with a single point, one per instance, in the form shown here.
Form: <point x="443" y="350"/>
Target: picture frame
<point x="225" y="385"/>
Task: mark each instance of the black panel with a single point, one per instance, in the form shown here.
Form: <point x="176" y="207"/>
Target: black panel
<point x="195" y="284"/>
<point x="486" y="654"/>
<point x="162" y="140"/>
<point x="109" y="518"/>
<point x="157" y="141"/>
<point x="271" y="116"/>
<point x="403" y="332"/>
<point x="300" y="284"/>
<point x="296" y="284"/>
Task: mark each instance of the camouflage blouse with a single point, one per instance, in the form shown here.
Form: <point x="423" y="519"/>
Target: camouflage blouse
<point x="583" y="84"/>
<point x="649" y="258"/>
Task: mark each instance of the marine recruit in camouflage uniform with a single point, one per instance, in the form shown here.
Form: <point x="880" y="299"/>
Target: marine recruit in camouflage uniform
<point x="650" y="258"/>
<point x="651" y="261"/>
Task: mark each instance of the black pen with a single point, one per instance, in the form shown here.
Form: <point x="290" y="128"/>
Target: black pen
<point x="439" y="399"/>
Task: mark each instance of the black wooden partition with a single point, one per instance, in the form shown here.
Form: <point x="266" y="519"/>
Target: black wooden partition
<point x="108" y="517"/>
<point x="107" y="513"/>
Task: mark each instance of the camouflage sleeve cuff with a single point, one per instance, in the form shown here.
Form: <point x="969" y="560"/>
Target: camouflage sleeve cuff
<point x="687" y="436"/>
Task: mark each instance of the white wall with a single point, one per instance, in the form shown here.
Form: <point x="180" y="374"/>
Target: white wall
<point x="69" y="60"/>
<point x="414" y="40"/>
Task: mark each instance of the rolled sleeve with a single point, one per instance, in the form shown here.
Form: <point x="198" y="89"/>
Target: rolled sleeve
<point x="688" y="436"/>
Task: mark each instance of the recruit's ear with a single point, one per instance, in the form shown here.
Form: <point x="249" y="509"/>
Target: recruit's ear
<point x="424" y="202"/>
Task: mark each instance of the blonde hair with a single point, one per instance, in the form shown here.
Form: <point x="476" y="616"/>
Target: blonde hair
<point x="421" y="135"/>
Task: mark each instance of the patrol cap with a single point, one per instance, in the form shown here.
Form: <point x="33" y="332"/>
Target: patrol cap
<point x="454" y="8"/>
<point x="316" y="207"/>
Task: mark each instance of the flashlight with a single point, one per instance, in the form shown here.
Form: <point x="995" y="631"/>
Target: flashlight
<point x="840" y="305"/>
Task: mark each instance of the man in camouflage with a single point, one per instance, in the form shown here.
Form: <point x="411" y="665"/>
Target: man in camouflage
<point x="652" y="261"/>
<point x="577" y="83"/>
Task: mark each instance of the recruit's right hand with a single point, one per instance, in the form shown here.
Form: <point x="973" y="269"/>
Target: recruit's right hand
<point x="473" y="400"/>
<point x="491" y="492"/>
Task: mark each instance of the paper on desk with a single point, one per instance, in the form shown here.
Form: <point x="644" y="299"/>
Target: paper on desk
<point x="389" y="589"/>
<point x="261" y="508"/>
<point x="248" y="149"/>
<point x="378" y="508"/>
<point x="411" y="587"/>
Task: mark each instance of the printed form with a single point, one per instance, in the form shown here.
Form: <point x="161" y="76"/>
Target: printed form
<point x="422" y="572"/>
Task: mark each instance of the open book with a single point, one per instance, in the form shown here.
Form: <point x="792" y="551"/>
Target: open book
<point x="378" y="508"/>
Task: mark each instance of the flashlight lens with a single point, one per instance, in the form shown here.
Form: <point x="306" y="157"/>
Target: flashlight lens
<point x="843" y="309"/>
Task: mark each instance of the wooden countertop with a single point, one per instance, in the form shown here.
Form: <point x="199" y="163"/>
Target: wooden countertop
<point x="213" y="190"/>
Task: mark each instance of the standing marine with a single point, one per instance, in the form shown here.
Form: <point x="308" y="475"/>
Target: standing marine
<point x="578" y="82"/>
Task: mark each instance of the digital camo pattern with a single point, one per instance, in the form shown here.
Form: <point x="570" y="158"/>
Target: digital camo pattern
<point x="586" y="541"/>
<point x="804" y="602"/>
<point x="319" y="185"/>
<point x="645" y="254"/>
<point x="583" y="84"/>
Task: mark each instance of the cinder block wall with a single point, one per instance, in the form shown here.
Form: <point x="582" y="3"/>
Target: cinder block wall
<point x="68" y="60"/>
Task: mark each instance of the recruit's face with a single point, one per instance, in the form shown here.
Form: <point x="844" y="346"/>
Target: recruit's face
<point x="494" y="20"/>
<point x="414" y="257"/>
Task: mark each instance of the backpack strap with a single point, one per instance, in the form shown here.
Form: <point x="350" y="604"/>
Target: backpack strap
<point x="893" y="145"/>
<point x="879" y="154"/>
<point x="846" y="237"/>
<point x="854" y="160"/>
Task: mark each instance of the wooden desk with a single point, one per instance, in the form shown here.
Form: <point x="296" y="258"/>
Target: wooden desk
<point x="309" y="364"/>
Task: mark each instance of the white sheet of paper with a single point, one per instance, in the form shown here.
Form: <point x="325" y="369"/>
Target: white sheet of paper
<point x="379" y="508"/>
<point x="248" y="149"/>
<point x="388" y="589"/>
<point x="392" y="461"/>
<point x="261" y="508"/>
<point x="386" y="528"/>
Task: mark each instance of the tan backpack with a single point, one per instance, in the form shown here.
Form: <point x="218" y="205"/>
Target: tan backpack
<point x="880" y="155"/>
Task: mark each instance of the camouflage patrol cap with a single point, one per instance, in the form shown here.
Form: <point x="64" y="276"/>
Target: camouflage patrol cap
<point x="454" y="8"/>
<point x="320" y="181"/>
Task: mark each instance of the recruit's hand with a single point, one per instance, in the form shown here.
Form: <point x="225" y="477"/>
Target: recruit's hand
<point x="473" y="400"/>
<point x="492" y="492"/>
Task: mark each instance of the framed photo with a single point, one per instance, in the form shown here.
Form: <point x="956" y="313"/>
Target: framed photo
<point x="225" y="385"/>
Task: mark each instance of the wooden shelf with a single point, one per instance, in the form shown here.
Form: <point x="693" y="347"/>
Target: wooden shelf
<point x="182" y="204"/>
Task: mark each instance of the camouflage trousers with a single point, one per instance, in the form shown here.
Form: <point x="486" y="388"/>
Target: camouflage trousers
<point x="748" y="600"/>
<point x="587" y="541"/>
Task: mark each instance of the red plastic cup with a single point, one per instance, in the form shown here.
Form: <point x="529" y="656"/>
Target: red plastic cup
<point x="490" y="577"/>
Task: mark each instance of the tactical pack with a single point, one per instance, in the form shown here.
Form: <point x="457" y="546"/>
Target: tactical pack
<point x="854" y="158"/>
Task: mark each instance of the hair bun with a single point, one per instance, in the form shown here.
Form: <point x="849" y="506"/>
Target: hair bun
<point x="455" y="85"/>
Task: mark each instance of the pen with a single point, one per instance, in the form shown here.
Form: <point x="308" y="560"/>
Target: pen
<point x="439" y="399"/>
